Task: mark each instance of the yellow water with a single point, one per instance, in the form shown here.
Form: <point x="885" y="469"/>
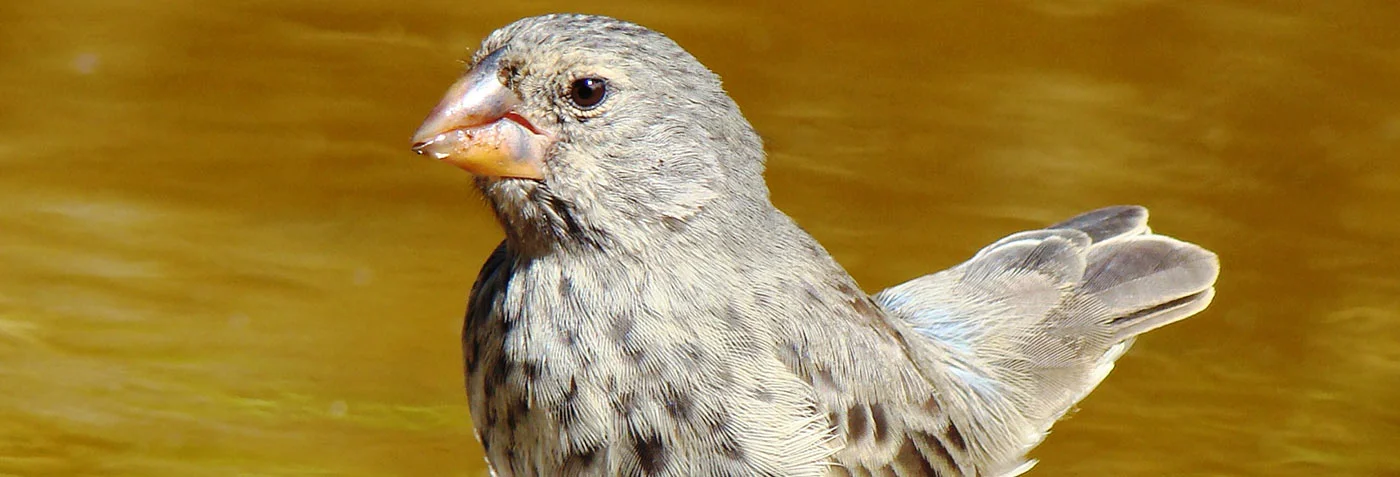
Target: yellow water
<point x="218" y="257"/>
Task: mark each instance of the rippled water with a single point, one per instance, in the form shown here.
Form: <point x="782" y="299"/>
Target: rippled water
<point x="217" y="256"/>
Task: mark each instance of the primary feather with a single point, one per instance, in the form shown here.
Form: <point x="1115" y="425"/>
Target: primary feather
<point x="1032" y="323"/>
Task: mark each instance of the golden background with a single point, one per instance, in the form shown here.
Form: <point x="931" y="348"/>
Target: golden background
<point x="218" y="256"/>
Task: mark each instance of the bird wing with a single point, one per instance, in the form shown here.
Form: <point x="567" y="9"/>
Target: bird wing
<point x="1015" y="336"/>
<point x="480" y="336"/>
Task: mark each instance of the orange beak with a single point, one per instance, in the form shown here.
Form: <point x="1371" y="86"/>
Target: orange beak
<point x="476" y="127"/>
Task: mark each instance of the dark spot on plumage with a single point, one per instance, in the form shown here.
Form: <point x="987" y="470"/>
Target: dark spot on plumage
<point x="531" y="370"/>
<point x="471" y="351"/>
<point x="880" y="423"/>
<point x="912" y="463"/>
<point x="824" y="381"/>
<point x="516" y="411"/>
<point x="621" y="332"/>
<point x="566" y="286"/>
<point x="490" y="281"/>
<point x="492" y="417"/>
<point x="693" y="352"/>
<point x="932" y="447"/>
<point x="490" y="288"/>
<point x="858" y="300"/>
<point x="504" y="327"/>
<point x="571" y="394"/>
<point x="572" y="226"/>
<point x="567" y="416"/>
<point x="746" y="345"/>
<point x="603" y="282"/>
<point x="763" y="395"/>
<point x="733" y="316"/>
<point x="932" y="407"/>
<point x="478" y="310"/>
<point x="497" y="371"/>
<point x="678" y="403"/>
<point x="837" y="420"/>
<point x="652" y="454"/>
<point x="623" y="336"/>
<point x="866" y="308"/>
<point x="955" y="437"/>
<point x="580" y="460"/>
<point x="567" y="412"/>
<point x="729" y="447"/>
<point x="857" y="423"/>
<point x="717" y="422"/>
<point x="814" y="296"/>
<point x="674" y="224"/>
<point x="628" y="30"/>
<point x="625" y="403"/>
<point x="726" y="376"/>
<point x="635" y="354"/>
<point x="568" y="337"/>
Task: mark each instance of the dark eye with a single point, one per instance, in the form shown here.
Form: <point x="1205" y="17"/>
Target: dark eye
<point x="588" y="93"/>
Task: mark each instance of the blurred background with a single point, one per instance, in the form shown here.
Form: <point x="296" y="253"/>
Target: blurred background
<point x="218" y="256"/>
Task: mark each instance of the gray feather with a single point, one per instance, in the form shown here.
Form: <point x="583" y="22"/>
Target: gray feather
<point x="1032" y="323"/>
<point x="1109" y="222"/>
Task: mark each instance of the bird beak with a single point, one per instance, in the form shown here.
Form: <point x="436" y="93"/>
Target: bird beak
<point x="476" y="127"/>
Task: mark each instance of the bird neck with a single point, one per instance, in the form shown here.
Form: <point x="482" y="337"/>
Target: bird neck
<point x="576" y="230"/>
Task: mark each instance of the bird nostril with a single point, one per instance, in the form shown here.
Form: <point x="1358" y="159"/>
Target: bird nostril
<point x="420" y="147"/>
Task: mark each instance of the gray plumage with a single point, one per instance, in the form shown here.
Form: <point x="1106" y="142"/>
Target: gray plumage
<point x="651" y="313"/>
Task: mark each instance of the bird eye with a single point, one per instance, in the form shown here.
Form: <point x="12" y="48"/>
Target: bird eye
<point x="588" y="93"/>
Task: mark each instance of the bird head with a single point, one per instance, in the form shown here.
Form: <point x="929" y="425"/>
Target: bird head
<point x="591" y="131"/>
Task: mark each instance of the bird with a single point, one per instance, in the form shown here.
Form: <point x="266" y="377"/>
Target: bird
<point x="650" y="312"/>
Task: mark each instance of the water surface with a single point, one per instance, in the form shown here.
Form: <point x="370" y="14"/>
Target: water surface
<point x="218" y="257"/>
